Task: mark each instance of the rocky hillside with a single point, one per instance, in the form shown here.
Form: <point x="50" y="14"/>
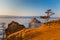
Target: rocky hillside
<point x="47" y="31"/>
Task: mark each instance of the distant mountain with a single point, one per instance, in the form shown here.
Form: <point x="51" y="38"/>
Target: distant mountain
<point x="7" y="16"/>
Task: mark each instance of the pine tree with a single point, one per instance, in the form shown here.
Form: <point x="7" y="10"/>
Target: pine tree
<point x="49" y="14"/>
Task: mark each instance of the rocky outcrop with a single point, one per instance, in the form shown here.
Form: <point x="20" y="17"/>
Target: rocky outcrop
<point x="48" y="31"/>
<point x="14" y="27"/>
<point x="34" y="23"/>
<point x="34" y="20"/>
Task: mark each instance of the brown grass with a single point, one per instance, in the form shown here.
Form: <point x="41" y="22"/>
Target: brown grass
<point x="47" y="31"/>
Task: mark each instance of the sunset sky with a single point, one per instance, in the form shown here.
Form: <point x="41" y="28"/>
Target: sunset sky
<point x="29" y="7"/>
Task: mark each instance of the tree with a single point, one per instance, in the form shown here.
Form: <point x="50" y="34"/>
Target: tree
<point x="49" y="13"/>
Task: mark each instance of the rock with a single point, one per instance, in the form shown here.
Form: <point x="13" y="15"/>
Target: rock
<point x="34" y="23"/>
<point x="14" y="27"/>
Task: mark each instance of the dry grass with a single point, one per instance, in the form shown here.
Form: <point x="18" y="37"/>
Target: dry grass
<point x="47" y="31"/>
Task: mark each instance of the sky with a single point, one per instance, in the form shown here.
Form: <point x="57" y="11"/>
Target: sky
<point x="29" y="7"/>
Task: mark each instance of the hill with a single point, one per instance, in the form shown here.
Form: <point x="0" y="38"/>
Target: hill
<point x="47" y="31"/>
